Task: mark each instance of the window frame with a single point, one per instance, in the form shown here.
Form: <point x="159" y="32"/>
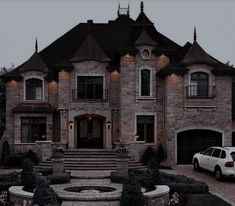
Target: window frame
<point x="32" y="123"/>
<point x="25" y="89"/>
<point x="154" y="126"/>
<point x="150" y="83"/>
<point x="91" y="75"/>
<point x="196" y="94"/>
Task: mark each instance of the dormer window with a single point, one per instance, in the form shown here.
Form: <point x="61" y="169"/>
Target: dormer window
<point x="199" y="85"/>
<point x="145" y="82"/>
<point x="34" y="89"/>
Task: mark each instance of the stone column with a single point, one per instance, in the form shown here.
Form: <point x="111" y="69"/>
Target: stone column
<point x="122" y="164"/>
<point x="58" y="165"/>
<point x="44" y="149"/>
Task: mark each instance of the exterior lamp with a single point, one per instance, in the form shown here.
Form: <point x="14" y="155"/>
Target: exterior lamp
<point x="71" y="124"/>
<point x="109" y="124"/>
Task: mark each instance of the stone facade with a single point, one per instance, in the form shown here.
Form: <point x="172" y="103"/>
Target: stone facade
<point x="120" y="66"/>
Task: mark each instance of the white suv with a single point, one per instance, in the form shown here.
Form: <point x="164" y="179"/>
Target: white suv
<point x="219" y="160"/>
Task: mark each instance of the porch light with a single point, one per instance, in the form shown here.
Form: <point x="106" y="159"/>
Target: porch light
<point x="109" y="124"/>
<point x="71" y="124"/>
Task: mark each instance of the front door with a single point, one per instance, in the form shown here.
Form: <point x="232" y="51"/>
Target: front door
<point x="90" y="132"/>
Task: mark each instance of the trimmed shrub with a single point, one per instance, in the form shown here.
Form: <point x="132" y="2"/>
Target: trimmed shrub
<point x="32" y="156"/>
<point x="117" y="177"/>
<point x="147" y="155"/>
<point x="160" y="153"/>
<point x="15" y="160"/>
<point x="131" y="193"/>
<point x="28" y="176"/>
<point x="59" y="179"/>
<point x="5" y="151"/>
<point x="44" y="195"/>
<point x="8" y="180"/>
<point x="45" y="171"/>
<point x="183" y="184"/>
<point x="151" y="175"/>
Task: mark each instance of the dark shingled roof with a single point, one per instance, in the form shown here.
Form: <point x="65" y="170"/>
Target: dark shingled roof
<point x="34" y="107"/>
<point x="89" y="50"/>
<point x="194" y="54"/>
<point x="35" y="63"/>
<point x="145" y="39"/>
<point x="110" y="40"/>
<point x="197" y="55"/>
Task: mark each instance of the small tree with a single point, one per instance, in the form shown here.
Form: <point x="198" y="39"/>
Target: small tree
<point x="28" y="176"/>
<point x="160" y="153"/>
<point x="44" y="195"/>
<point x="147" y="155"/>
<point x="131" y="193"/>
<point x="151" y="176"/>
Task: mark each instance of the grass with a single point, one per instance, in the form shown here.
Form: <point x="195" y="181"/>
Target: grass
<point x="206" y="199"/>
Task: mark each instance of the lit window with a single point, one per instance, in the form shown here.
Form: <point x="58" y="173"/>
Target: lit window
<point x="33" y="89"/>
<point x="145" y="82"/>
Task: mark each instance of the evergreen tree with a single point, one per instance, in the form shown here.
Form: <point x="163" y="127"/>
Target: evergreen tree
<point x="28" y="176"/>
<point x="131" y="193"/>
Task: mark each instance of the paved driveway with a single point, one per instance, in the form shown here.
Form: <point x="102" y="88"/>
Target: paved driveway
<point x="224" y="189"/>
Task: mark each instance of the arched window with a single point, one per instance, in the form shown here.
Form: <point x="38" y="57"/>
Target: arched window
<point x="199" y="84"/>
<point x="33" y="89"/>
<point x="145" y="82"/>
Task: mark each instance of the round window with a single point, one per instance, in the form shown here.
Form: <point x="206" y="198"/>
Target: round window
<point x="145" y="54"/>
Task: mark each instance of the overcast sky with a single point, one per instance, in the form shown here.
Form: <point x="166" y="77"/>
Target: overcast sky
<point x="21" y="21"/>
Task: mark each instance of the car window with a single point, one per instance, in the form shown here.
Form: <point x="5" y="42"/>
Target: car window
<point x="208" y="151"/>
<point x="216" y="153"/>
<point x="223" y="154"/>
<point x="233" y="156"/>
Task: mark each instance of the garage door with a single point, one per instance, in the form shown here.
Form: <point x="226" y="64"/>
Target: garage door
<point x="192" y="141"/>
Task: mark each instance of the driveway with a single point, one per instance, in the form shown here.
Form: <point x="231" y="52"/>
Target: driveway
<point x="225" y="189"/>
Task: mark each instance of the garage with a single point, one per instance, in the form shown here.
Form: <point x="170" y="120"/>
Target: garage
<point x="192" y="141"/>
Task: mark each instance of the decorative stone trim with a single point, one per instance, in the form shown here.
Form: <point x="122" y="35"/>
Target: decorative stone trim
<point x="19" y="197"/>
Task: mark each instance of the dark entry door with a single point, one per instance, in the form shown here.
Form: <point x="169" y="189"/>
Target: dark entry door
<point x="192" y="141"/>
<point x="90" y="132"/>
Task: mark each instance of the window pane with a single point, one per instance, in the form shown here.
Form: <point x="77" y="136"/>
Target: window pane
<point x="223" y="154"/>
<point x="34" y="89"/>
<point x="209" y="151"/>
<point x="145" y="82"/>
<point x="199" y="84"/>
<point x="89" y="87"/>
<point x="145" y="128"/>
<point x="216" y="153"/>
<point x="33" y="129"/>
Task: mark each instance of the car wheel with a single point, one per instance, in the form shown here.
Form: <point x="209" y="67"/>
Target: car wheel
<point x="218" y="174"/>
<point x="196" y="165"/>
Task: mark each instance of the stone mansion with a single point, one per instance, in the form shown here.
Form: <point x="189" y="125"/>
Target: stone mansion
<point x="102" y="83"/>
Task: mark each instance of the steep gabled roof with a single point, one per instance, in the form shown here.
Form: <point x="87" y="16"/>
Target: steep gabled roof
<point x="145" y="39"/>
<point x="34" y="63"/>
<point x="197" y="55"/>
<point x="109" y="40"/>
<point x="90" y="50"/>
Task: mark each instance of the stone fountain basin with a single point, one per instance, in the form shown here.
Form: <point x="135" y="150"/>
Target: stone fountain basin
<point x="84" y="192"/>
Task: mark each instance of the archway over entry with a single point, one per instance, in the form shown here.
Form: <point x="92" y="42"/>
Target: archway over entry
<point x="192" y="141"/>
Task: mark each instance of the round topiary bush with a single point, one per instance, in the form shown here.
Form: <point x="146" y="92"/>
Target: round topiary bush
<point x="28" y="176"/>
<point x="44" y="195"/>
<point x="131" y="193"/>
<point x="147" y="155"/>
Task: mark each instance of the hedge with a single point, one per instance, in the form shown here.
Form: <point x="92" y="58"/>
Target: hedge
<point x="59" y="179"/>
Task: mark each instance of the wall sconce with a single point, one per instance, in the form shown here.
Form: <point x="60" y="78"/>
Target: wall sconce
<point x="109" y="124"/>
<point x="71" y="124"/>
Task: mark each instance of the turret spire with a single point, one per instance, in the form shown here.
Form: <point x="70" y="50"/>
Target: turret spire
<point x="195" y="34"/>
<point x="36" y="45"/>
<point x="141" y="6"/>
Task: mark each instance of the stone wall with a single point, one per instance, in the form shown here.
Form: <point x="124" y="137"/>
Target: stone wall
<point x="183" y="113"/>
<point x="12" y="99"/>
